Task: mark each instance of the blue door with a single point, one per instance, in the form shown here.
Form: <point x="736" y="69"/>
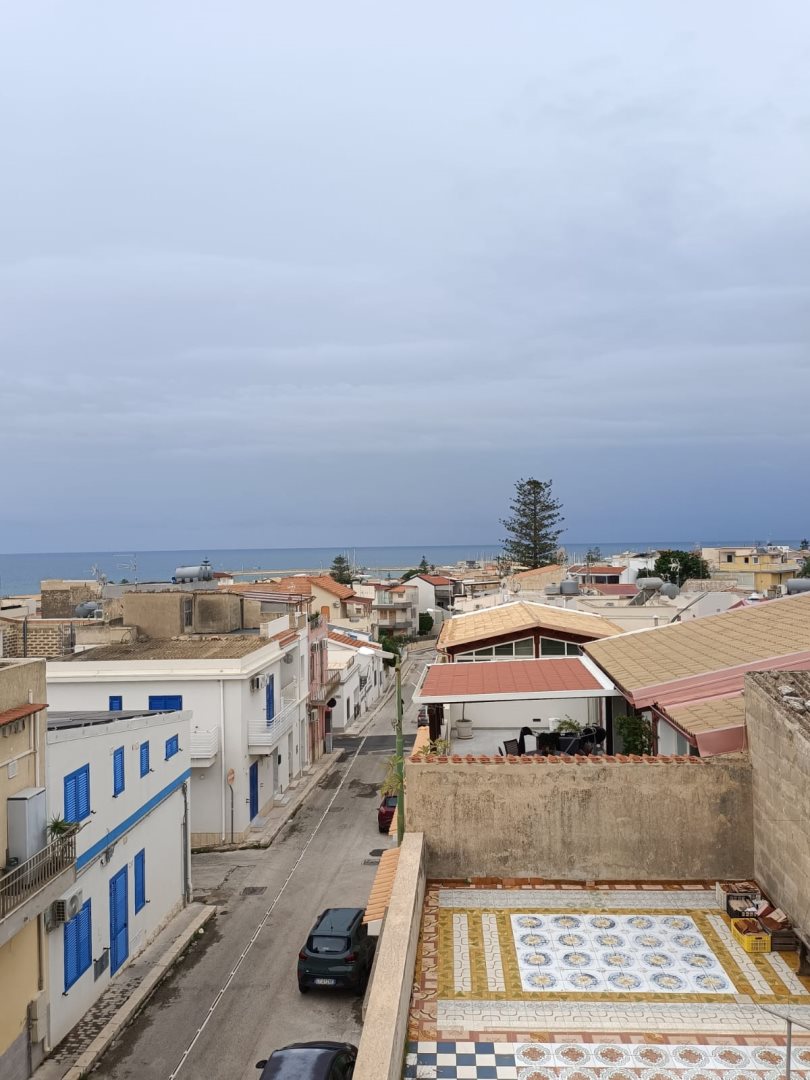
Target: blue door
<point x="119" y="921"/>
<point x="254" y="790"/>
<point x="271" y="698"/>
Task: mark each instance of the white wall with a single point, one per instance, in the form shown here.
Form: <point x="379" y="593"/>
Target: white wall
<point x="426" y="594"/>
<point x="159" y="832"/>
<point x="513" y="715"/>
<point x="227" y="704"/>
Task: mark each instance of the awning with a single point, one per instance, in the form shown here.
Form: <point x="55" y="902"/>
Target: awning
<point x="19" y="713"/>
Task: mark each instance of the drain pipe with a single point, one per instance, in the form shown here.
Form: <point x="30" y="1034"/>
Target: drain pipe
<point x="186" y="852"/>
<point x="222" y="754"/>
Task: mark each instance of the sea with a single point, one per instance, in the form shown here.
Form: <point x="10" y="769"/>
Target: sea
<point x="22" y="573"/>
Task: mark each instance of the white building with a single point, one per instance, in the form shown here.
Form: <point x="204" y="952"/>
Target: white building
<point x="248" y="698"/>
<point x="125" y="778"/>
<point x="359" y="665"/>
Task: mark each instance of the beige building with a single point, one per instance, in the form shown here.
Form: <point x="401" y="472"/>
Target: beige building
<point x="35" y="871"/>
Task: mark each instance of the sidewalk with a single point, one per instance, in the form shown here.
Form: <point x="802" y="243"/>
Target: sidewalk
<point x="79" y="1051"/>
<point x="268" y="827"/>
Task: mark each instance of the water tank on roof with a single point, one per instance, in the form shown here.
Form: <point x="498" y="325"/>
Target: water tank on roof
<point x="669" y="589"/>
<point x="569" y="588"/>
<point x="203" y="572"/>
<point x="652" y="584"/>
<point x="798" y="585"/>
<point x="87" y="610"/>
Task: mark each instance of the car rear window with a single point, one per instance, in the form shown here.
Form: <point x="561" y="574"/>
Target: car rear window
<point x="391" y="800"/>
<point x="327" y="944"/>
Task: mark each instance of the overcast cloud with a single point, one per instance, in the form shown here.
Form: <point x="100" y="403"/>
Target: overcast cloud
<point x="340" y="272"/>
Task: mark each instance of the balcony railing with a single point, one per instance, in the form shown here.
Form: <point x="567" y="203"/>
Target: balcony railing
<point x="204" y="744"/>
<point x="27" y="879"/>
<point x="379" y="603"/>
<point x="319" y="694"/>
<point x="263" y="734"/>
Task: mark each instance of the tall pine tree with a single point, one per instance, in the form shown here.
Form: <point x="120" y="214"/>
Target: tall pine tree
<point x="532" y="531"/>
<point x="341" y="570"/>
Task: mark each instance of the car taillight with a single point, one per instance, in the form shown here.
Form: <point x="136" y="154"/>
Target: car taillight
<point x="350" y="959"/>
<point x="302" y="955"/>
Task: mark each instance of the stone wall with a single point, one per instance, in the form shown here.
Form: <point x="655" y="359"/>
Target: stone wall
<point x="593" y="818"/>
<point x="778" y="725"/>
<point x="58" y="599"/>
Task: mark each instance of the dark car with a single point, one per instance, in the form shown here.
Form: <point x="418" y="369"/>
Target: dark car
<point x="338" y="951"/>
<point x="385" y="812"/>
<point x="310" y="1061"/>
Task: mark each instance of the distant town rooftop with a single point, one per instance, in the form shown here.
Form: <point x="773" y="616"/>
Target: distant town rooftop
<point x="522" y="615"/>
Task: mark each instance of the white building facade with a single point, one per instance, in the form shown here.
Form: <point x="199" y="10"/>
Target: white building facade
<point x="248" y="698"/>
<point x="126" y="782"/>
<point x="362" y="678"/>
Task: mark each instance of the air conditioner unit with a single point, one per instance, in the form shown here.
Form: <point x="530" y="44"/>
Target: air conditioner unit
<point x="63" y="911"/>
<point x="336" y="605"/>
<point x="255" y="684"/>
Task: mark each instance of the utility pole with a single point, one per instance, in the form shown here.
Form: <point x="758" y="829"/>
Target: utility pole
<point x="400" y="756"/>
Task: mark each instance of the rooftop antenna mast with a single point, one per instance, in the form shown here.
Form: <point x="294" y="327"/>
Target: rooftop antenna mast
<point x="131" y="564"/>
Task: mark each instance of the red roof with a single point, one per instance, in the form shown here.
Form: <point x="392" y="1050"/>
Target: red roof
<point x="603" y="571"/>
<point x="435" y="579"/>
<point x="356" y="643"/>
<point x="611" y="590"/>
<point x="508" y="677"/>
<point x="19" y="713"/>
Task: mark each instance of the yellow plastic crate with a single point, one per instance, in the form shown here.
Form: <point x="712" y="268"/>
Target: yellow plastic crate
<point x="752" y="943"/>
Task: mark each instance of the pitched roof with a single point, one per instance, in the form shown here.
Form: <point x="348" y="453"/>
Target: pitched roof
<point x="497" y="678"/>
<point x="19" y="712"/>
<point x="712" y="715"/>
<point x="302" y="583"/>
<point x="604" y="570"/>
<point x="232" y="647"/>
<point x="682" y="661"/>
<point x="356" y="643"/>
<point x="435" y="579"/>
<point x="521" y="615"/>
<point x="539" y="571"/>
<point x="611" y="590"/>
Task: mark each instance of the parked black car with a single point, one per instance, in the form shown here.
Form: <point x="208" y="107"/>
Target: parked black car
<point x="310" y="1061"/>
<point x="338" y="951"/>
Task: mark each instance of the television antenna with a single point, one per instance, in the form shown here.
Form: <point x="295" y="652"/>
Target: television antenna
<point x="131" y="564"/>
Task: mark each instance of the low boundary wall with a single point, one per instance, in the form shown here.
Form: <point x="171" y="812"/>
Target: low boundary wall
<point x="382" y="1045"/>
<point x="585" y="818"/>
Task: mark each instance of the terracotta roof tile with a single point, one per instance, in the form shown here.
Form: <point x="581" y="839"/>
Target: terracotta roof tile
<point x="356" y="643"/>
<point x="435" y="579"/>
<point x="712" y="715"/>
<point x="522" y="615"/>
<point x="380" y="895"/>
<point x="19" y="712"/>
<point x="508" y="677"/>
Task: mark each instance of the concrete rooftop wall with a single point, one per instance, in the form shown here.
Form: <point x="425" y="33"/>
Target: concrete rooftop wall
<point x="593" y="818"/>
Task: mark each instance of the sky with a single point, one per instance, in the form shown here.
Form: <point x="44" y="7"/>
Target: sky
<point x="341" y="273"/>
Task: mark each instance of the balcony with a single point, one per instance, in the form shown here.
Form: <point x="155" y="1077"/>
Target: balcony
<point x="379" y="603"/>
<point x="28" y="889"/>
<point x="204" y="747"/>
<point x="318" y="695"/>
<point x="263" y="735"/>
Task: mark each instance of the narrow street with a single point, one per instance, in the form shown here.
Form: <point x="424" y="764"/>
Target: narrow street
<point x="234" y="996"/>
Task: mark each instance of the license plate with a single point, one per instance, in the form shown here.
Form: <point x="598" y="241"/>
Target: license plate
<point x="324" y="982"/>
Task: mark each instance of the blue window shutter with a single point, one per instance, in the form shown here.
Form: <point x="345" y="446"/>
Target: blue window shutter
<point x="116" y="703"/>
<point x="172" y="746"/>
<point x="78" y="946"/>
<point x="271" y="698"/>
<point x="140" y="880"/>
<point x="118" y="771"/>
<point x="71" y="806"/>
<point x="165" y="702"/>
<point x="144" y="758"/>
<point x="77" y="794"/>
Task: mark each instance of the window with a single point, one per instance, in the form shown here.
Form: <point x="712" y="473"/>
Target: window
<point x="507" y="650"/>
<point x="729" y="558"/>
<point x="77" y="794"/>
<point x="188" y="617"/>
<point x="144" y="758"/>
<point x="116" y="703"/>
<point x="555" y="647"/>
<point x="78" y="946"/>
<point x="140" y="880"/>
<point x="118" y="771"/>
<point x="270" y="699"/>
<point x="165" y="702"/>
<point x="172" y="746"/>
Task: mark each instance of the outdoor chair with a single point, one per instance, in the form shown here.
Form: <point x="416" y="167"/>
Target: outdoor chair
<point x="512" y="747"/>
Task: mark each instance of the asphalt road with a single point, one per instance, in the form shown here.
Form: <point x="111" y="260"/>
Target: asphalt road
<point x="234" y="997"/>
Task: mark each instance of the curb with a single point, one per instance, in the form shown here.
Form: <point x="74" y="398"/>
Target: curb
<point x="139" y="997"/>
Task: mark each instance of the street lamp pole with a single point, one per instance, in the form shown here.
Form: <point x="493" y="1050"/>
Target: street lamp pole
<point x="400" y="756"/>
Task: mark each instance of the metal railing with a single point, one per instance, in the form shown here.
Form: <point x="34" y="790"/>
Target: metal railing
<point x="21" y="883"/>
<point x="204" y="743"/>
<point x="321" y="693"/>
<point x="267" y="733"/>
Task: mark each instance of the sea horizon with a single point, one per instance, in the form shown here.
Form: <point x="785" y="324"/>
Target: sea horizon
<point x="22" y="572"/>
